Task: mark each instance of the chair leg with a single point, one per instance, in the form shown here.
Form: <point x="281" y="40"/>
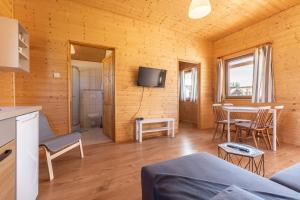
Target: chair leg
<point x="215" y="133"/>
<point x="269" y="139"/>
<point x="49" y="163"/>
<point x="265" y="140"/>
<point x="236" y="134"/>
<point x="81" y="149"/>
<point x="223" y="130"/>
<point x="254" y="138"/>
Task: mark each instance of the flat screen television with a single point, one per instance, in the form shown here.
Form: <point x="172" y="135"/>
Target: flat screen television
<point x="151" y="77"/>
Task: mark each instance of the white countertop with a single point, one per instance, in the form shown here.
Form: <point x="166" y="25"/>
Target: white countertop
<point x="9" y="112"/>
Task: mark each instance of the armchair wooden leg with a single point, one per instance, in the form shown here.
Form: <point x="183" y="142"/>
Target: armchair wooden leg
<point x="81" y="149"/>
<point x="49" y="163"/>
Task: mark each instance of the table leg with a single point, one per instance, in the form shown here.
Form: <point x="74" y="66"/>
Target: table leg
<point x="274" y="130"/>
<point x="169" y="128"/>
<point x="228" y="126"/>
<point x="136" y="130"/>
<point x="140" y="132"/>
<point x="173" y="128"/>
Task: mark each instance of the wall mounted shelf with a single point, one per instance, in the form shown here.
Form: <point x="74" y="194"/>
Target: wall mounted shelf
<point x="15" y="48"/>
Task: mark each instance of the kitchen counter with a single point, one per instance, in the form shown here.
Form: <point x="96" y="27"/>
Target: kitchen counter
<point x="9" y="112"/>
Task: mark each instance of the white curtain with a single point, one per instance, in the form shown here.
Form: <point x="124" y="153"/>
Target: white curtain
<point x="194" y="94"/>
<point x="182" y="92"/>
<point x="194" y="85"/>
<point x="220" y="80"/>
<point x="263" y="81"/>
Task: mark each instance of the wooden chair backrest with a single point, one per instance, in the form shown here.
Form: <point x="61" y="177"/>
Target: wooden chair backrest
<point x="261" y="118"/>
<point x="278" y="111"/>
<point x="218" y="112"/>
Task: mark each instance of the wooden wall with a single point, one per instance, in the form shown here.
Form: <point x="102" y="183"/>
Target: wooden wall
<point x="52" y="23"/>
<point x="283" y="30"/>
<point x="6" y="78"/>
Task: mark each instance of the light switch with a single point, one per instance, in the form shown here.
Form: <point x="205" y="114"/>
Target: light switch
<point x="56" y="75"/>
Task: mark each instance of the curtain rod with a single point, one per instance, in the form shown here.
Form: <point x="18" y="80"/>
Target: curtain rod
<point x="245" y="49"/>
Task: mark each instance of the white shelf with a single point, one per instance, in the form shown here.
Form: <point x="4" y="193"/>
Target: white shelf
<point x="23" y="44"/>
<point x="156" y="129"/>
<point x="170" y="128"/>
<point x="14" y="36"/>
<point x="23" y="56"/>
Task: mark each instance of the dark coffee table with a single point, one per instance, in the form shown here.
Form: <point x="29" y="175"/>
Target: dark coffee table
<point x="242" y="155"/>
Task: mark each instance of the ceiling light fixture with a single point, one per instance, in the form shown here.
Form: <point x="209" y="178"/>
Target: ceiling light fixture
<point x="72" y="49"/>
<point x="199" y="9"/>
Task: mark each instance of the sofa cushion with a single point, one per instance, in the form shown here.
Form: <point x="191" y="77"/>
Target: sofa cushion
<point x="210" y="168"/>
<point x="289" y="177"/>
<point x="235" y="193"/>
<point x="174" y="187"/>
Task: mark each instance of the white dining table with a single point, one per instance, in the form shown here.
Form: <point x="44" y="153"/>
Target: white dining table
<point x="250" y="109"/>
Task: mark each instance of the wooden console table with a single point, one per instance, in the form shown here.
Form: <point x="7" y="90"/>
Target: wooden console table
<point x="170" y="128"/>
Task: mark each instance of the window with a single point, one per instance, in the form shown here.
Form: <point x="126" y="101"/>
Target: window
<point x="239" y="79"/>
<point x="188" y="84"/>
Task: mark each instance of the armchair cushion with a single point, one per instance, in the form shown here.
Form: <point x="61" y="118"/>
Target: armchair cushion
<point x="57" y="143"/>
<point x="289" y="177"/>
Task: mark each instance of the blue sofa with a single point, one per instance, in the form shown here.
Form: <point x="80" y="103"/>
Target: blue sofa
<point x="203" y="176"/>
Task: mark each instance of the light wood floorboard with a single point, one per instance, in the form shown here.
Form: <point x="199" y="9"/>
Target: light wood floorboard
<point x="112" y="171"/>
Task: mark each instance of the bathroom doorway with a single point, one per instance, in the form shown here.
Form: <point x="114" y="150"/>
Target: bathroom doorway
<point x="92" y="92"/>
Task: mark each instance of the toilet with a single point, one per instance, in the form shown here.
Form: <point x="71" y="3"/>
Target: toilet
<point x="94" y="119"/>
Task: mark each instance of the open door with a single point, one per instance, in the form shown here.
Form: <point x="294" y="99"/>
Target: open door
<point x="108" y="95"/>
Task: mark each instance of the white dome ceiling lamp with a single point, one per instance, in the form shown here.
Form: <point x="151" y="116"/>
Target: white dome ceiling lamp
<point x="199" y="9"/>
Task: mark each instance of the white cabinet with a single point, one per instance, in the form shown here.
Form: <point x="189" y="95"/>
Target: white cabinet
<point x="14" y="48"/>
<point x="27" y="156"/>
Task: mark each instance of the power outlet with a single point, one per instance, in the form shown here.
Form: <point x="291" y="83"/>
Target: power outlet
<point x="56" y="75"/>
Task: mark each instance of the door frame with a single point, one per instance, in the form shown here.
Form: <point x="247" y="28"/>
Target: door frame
<point x="71" y="122"/>
<point x="113" y="49"/>
<point x="199" y="89"/>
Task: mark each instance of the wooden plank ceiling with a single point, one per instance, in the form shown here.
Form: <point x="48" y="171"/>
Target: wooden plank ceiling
<point x="227" y="16"/>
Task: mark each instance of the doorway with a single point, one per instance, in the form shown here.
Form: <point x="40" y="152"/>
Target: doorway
<point x="189" y="90"/>
<point x="92" y="92"/>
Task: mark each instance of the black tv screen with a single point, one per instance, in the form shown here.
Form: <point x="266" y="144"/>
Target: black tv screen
<point x="151" y="77"/>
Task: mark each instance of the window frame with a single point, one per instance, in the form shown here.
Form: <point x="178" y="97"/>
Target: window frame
<point x="227" y="96"/>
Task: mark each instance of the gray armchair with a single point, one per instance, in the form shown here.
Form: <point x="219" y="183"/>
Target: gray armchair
<point x="56" y="145"/>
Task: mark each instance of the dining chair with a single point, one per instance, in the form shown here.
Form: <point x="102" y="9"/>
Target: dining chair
<point x="255" y="129"/>
<point x="270" y="125"/>
<point x="56" y="145"/>
<point x="220" y="119"/>
<point x="236" y="116"/>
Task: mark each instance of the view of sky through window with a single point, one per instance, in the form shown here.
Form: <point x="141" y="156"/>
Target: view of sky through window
<point x="240" y="76"/>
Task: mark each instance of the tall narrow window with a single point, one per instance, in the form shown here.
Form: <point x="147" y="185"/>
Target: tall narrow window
<point x="239" y="76"/>
<point x="188" y="85"/>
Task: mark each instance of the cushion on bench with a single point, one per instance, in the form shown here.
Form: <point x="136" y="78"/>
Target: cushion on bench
<point x="289" y="177"/>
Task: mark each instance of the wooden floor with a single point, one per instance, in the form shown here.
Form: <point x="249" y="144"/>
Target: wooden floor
<point x="112" y="171"/>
